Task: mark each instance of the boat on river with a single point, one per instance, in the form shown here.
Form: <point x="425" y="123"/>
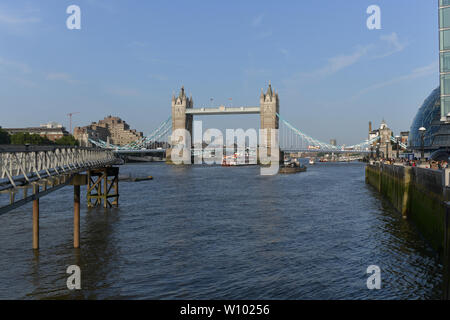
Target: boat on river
<point x="292" y="167"/>
<point x="234" y="160"/>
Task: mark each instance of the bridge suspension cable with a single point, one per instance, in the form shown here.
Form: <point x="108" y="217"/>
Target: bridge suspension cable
<point x="290" y="139"/>
<point x="294" y="139"/>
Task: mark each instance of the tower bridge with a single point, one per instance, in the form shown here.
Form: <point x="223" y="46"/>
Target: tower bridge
<point x="183" y="111"/>
<point x="290" y="138"/>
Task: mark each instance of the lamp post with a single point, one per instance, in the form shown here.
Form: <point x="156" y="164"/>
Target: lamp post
<point x="422" y="133"/>
<point x="397" y="138"/>
<point x="378" y="150"/>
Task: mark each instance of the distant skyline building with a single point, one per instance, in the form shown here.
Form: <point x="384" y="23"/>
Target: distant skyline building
<point x="385" y="140"/>
<point x="384" y="143"/>
<point x="404" y="137"/>
<point x="333" y="142"/>
<point x="111" y="129"/>
<point x="52" y="130"/>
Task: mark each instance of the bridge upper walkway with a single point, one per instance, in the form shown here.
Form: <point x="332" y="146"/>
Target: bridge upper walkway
<point x="223" y="110"/>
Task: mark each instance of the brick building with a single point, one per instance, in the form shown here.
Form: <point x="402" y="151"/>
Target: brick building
<point x="111" y="129"/>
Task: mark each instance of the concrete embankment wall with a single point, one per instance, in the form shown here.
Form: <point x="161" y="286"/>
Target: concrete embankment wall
<point x="417" y="193"/>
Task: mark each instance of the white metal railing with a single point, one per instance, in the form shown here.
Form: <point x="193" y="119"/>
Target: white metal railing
<point x="23" y="166"/>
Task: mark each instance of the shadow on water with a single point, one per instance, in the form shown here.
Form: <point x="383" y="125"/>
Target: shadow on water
<point x="99" y="256"/>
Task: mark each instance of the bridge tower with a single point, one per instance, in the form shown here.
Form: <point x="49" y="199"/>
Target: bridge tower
<point x="181" y="120"/>
<point x="269" y="107"/>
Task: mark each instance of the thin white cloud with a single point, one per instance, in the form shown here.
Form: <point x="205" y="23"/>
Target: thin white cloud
<point x="393" y="39"/>
<point x="284" y="52"/>
<point x="60" y="76"/>
<point x="339" y="62"/>
<point x="415" y="74"/>
<point x="16" y="20"/>
<point x="343" y="61"/>
<point x="19" y="21"/>
<point x="257" y="21"/>
<point x="14" y="66"/>
<point x="265" y="34"/>
<point x="16" y="72"/>
<point x="24" y="82"/>
<point x="394" y="45"/>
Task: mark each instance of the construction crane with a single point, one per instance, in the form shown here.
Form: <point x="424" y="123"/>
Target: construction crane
<point x="70" y="117"/>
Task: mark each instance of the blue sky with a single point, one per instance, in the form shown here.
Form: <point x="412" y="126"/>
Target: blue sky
<point x="332" y="73"/>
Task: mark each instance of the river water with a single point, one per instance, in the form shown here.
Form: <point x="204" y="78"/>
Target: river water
<point x="208" y="232"/>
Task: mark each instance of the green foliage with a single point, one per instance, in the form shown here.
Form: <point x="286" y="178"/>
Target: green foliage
<point x="26" y="138"/>
<point x="67" y="141"/>
<point x="4" y="137"/>
<point x="35" y="139"/>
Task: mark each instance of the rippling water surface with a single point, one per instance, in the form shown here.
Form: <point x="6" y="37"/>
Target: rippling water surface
<point x="207" y="232"/>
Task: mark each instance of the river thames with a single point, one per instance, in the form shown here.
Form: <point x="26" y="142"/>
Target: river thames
<point x="209" y="232"/>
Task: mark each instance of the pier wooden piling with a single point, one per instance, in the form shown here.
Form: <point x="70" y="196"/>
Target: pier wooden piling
<point x="76" y="216"/>
<point x="77" y="181"/>
<point x="36" y="220"/>
<point x="36" y="224"/>
<point x="100" y="183"/>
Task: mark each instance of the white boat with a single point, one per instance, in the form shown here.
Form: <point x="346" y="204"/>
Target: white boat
<point x="311" y="161"/>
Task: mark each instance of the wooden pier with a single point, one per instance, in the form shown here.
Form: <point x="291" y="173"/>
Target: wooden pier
<point x="47" y="169"/>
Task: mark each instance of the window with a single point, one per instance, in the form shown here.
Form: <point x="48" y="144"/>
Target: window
<point x="445" y="40"/>
<point x="445" y="84"/>
<point x="445" y="62"/>
<point x="444" y="21"/>
<point x="445" y="106"/>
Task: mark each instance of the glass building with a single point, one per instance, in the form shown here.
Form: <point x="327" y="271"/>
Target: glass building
<point x="428" y="116"/>
<point x="434" y="114"/>
<point x="444" y="61"/>
<point x="437" y="134"/>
